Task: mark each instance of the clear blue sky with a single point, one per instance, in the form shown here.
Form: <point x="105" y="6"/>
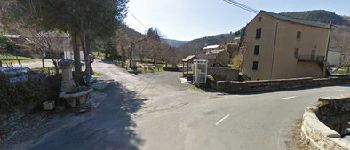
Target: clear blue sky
<point x="190" y="19"/>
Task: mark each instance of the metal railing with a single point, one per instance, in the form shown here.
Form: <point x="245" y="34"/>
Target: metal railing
<point x="313" y="58"/>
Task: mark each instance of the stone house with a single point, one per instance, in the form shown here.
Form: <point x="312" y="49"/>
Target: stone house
<point x="280" y="47"/>
<point x="216" y="58"/>
<point x="232" y="49"/>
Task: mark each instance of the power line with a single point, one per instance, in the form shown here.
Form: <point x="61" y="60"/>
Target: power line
<point x="138" y="21"/>
<point x="242" y="6"/>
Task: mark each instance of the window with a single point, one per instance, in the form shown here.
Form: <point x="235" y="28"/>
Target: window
<point x="298" y="35"/>
<point x="296" y="52"/>
<point x="255" y="65"/>
<point x="258" y="33"/>
<point x="260" y="19"/>
<point x="256" y="50"/>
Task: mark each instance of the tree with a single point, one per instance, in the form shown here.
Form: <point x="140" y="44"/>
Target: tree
<point x="154" y="43"/>
<point x="123" y="42"/>
<point x="84" y="20"/>
<point x="35" y="34"/>
<point x="98" y="18"/>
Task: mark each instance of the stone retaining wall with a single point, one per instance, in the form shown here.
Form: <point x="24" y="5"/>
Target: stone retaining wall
<point x="223" y="73"/>
<point x="273" y="85"/>
<point x="319" y="135"/>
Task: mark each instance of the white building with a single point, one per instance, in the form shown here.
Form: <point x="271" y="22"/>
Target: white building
<point x="70" y="55"/>
<point x="337" y="57"/>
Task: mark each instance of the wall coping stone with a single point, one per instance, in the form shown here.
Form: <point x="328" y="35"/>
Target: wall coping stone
<point x="318" y="134"/>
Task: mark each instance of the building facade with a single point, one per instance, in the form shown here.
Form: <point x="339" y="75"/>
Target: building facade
<point x="280" y="47"/>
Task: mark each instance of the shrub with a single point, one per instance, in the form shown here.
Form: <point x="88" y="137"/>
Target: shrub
<point x="24" y="97"/>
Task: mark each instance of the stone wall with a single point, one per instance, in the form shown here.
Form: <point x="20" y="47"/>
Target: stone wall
<point x="223" y="73"/>
<point x="274" y="85"/>
<point x="323" y="125"/>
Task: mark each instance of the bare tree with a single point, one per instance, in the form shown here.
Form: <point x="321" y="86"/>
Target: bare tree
<point x="154" y="43"/>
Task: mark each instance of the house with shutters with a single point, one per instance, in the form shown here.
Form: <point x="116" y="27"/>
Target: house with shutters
<point x="280" y="47"/>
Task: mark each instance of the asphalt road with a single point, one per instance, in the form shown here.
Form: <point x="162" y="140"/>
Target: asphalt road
<point x="179" y="116"/>
<point x="156" y="112"/>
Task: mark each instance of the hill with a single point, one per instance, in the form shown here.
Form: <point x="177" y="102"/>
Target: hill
<point x="316" y="15"/>
<point x="175" y="43"/>
<point x="196" y="45"/>
<point x="319" y="15"/>
<point x="137" y="35"/>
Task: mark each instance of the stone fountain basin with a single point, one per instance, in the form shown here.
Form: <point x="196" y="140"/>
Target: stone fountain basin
<point x="76" y="97"/>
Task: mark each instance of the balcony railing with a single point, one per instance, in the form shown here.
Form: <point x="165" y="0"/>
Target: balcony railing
<point x="313" y="58"/>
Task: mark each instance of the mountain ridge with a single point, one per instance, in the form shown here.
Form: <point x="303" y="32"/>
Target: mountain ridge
<point x="314" y="15"/>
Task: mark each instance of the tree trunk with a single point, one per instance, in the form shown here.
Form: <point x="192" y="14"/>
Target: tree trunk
<point x="123" y="56"/>
<point x="55" y="64"/>
<point x="43" y="62"/>
<point x="76" y="51"/>
<point x="88" y="59"/>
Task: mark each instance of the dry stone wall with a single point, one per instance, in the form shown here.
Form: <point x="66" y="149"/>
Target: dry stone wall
<point x="323" y="125"/>
<point x="273" y="85"/>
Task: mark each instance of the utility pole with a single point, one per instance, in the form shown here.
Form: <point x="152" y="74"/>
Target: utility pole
<point x="132" y="62"/>
<point x="327" y="50"/>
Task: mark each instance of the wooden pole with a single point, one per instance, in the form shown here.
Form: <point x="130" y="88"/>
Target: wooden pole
<point x="183" y="69"/>
<point x="187" y="69"/>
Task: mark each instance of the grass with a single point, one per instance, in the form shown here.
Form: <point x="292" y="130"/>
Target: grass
<point x="14" y="59"/>
<point x="96" y="74"/>
<point x="46" y="70"/>
<point x="342" y="70"/>
<point x="157" y="68"/>
<point x="95" y="53"/>
<point x="294" y="137"/>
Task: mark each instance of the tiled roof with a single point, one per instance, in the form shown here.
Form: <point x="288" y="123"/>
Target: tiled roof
<point x="211" y="47"/>
<point x="299" y="21"/>
<point x="211" y="55"/>
<point x="189" y="58"/>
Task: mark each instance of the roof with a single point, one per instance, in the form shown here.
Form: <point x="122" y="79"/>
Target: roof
<point x="211" y="55"/>
<point x="207" y="56"/>
<point x="189" y="58"/>
<point x="298" y="21"/>
<point x="211" y="47"/>
<point x="11" y="36"/>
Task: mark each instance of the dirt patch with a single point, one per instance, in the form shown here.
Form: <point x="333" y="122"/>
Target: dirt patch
<point x="295" y="140"/>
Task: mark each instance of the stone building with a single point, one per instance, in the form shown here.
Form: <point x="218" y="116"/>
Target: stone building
<point x="216" y="58"/>
<point x="281" y="47"/>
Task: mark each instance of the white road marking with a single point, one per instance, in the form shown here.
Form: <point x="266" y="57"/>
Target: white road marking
<point x="287" y="98"/>
<point x="222" y="119"/>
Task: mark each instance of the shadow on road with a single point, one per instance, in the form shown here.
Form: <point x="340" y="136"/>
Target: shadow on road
<point x="110" y="126"/>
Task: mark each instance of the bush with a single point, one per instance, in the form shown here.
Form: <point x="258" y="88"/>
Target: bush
<point x="24" y="97"/>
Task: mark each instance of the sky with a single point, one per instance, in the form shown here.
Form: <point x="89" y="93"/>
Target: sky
<point x="186" y="20"/>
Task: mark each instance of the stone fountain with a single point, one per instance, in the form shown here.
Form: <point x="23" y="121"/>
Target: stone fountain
<point x="75" y="96"/>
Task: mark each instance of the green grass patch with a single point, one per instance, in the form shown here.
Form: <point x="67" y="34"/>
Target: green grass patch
<point x="99" y="54"/>
<point x="151" y="69"/>
<point x="13" y="59"/>
<point x="96" y="74"/>
<point x="342" y="70"/>
<point x="46" y="69"/>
